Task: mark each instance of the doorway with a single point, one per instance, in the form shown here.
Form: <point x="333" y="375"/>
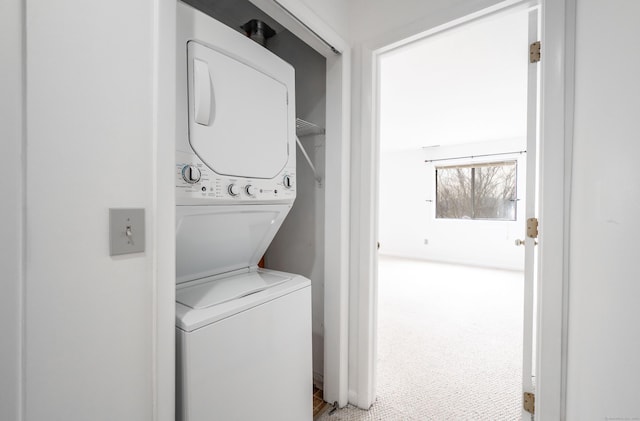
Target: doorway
<point x="557" y="22"/>
<point x="453" y="170"/>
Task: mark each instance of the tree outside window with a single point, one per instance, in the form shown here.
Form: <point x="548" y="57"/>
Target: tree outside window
<point x="477" y="191"/>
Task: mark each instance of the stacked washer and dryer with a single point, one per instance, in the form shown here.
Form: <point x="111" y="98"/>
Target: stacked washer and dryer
<point x="243" y="334"/>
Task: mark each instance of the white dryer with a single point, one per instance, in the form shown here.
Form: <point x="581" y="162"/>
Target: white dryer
<point x="243" y="334"/>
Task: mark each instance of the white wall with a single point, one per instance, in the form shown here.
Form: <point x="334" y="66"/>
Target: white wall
<point x="11" y="207"/>
<point x="299" y="245"/>
<point x="90" y="323"/>
<point x="407" y="210"/>
<point x="604" y="339"/>
<point x="464" y="85"/>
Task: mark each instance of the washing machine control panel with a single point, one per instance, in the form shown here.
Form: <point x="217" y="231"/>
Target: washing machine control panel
<point x="198" y="184"/>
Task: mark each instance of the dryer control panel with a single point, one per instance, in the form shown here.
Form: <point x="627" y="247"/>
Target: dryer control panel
<point x="197" y="184"/>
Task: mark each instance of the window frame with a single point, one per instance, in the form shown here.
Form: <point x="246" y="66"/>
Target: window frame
<point x="473" y="165"/>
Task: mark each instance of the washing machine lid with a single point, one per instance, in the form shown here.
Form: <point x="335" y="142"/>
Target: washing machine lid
<point x="219" y="298"/>
<point x="239" y="116"/>
<point x="227" y="289"/>
<point x="211" y="240"/>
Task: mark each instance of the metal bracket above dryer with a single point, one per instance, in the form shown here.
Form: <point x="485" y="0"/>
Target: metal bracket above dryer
<point x="305" y="128"/>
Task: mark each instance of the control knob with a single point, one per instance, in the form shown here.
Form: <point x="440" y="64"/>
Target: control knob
<point x="233" y="190"/>
<point x="190" y="174"/>
<point x="250" y="190"/>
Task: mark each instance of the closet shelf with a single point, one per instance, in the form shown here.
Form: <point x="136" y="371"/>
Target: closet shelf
<point x="305" y="128"/>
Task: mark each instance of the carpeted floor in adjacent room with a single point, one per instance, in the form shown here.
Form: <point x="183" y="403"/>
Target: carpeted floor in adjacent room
<point x="450" y="344"/>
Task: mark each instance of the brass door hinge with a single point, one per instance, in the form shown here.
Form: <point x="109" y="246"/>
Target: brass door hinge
<point x="532" y="227"/>
<point x="529" y="402"/>
<point x="534" y="52"/>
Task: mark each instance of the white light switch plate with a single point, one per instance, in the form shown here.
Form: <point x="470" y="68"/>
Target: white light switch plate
<point x="126" y="231"/>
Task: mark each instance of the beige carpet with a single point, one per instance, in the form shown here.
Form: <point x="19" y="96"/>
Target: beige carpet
<point x="450" y="344"/>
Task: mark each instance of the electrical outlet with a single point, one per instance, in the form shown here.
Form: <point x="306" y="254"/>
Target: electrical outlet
<point x="426" y="241"/>
<point x="126" y="231"/>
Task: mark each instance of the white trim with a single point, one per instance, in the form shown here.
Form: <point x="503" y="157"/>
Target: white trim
<point x="363" y="291"/>
<point x="337" y="207"/>
<point x="13" y="173"/>
<point x="558" y="20"/>
<point x="569" y="89"/>
<point x="448" y="19"/>
<point x="553" y="198"/>
<point x="336" y="230"/>
<point x="531" y="192"/>
<point x="305" y="24"/>
<point x="163" y="210"/>
<point x="22" y="324"/>
<point x="287" y="4"/>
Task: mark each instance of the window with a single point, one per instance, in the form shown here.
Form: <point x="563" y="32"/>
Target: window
<point x="477" y="191"/>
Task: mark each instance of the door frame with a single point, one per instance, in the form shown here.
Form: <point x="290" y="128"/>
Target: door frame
<point x="162" y="232"/>
<point x="13" y="172"/>
<point x="309" y="27"/>
<point x="556" y="133"/>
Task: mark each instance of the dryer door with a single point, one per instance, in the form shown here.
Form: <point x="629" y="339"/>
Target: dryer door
<point x="238" y="115"/>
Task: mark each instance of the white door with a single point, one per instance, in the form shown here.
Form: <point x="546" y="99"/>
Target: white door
<point x="531" y="211"/>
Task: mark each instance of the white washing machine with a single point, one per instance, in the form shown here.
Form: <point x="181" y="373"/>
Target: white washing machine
<point x="243" y="334"/>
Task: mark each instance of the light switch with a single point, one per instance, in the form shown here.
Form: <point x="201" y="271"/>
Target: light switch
<point x="126" y="231"/>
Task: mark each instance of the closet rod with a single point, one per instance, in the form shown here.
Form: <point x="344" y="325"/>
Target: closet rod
<point x="475" y="156"/>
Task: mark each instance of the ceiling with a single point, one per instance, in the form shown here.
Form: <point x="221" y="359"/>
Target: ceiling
<point x="464" y="85"/>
